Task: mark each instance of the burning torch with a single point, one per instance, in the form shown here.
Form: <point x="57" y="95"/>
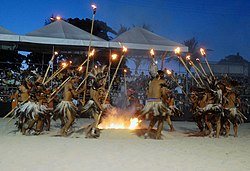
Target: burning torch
<point x="124" y="50"/>
<point x="177" y="52"/>
<point x="90" y="44"/>
<point x="50" y="63"/>
<point x="205" y="57"/>
<point x="194" y="67"/>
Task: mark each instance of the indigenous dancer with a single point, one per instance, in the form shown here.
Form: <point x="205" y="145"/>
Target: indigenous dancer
<point x="66" y="110"/>
<point x="213" y="108"/>
<point x="154" y="104"/>
<point x="31" y="113"/>
<point x="94" y="105"/>
<point x="174" y="111"/>
<point x="232" y="113"/>
<point x="21" y="96"/>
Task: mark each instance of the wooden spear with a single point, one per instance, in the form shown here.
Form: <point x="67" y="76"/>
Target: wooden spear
<point x="111" y="83"/>
<point x="90" y="44"/>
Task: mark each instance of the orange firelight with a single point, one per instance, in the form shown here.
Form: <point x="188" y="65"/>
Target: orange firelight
<point x="92" y="53"/>
<point x="202" y="51"/>
<point x="152" y="53"/>
<point x="169" y="72"/>
<point x="124" y="49"/>
<point x="64" y="64"/>
<point x="114" y="56"/>
<point x="177" y="51"/>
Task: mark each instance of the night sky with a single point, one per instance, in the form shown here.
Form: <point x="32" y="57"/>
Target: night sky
<point x="220" y="25"/>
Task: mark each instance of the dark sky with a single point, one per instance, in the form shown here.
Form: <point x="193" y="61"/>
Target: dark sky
<point x="221" y="25"/>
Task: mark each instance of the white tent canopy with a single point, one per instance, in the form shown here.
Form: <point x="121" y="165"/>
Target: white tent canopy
<point x="62" y="33"/>
<point x="141" y="39"/>
<point x="6" y="35"/>
<point x="7" y="39"/>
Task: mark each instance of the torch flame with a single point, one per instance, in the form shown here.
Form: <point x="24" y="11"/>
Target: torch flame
<point x="114" y="56"/>
<point x="177" y="51"/>
<point x="152" y="53"/>
<point x="55" y="53"/>
<point x="202" y="51"/>
<point x="64" y="64"/>
<point x="93" y="6"/>
<point x="125" y="71"/>
<point x="188" y="57"/>
<point x="169" y="72"/>
<point x="124" y="49"/>
<point x="92" y="53"/>
<point x="80" y="68"/>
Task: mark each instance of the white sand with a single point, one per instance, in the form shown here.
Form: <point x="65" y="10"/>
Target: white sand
<point x="123" y="150"/>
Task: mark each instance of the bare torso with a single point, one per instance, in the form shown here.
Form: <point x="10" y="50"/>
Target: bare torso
<point x="23" y="94"/>
<point x="155" y="88"/>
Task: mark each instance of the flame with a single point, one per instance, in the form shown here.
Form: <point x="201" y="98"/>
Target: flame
<point x="124" y="49"/>
<point x="125" y="71"/>
<point x="116" y="120"/>
<point x="64" y="64"/>
<point x="96" y="66"/>
<point x="177" y="50"/>
<point x="92" y="53"/>
<point x="55" y="53"/>
<point x="93" y="7"/>
<point x="134" y="122"/>
<point x="188" y="57"/>
<point x="114" y="56"/>
<point x="80" y="68"/>
<point x="152" y="53"/>
<point x="169" y="72"/>
<point x="202" y="51"/>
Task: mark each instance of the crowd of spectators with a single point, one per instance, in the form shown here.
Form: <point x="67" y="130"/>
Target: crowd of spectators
<point x="122" y="86"/>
